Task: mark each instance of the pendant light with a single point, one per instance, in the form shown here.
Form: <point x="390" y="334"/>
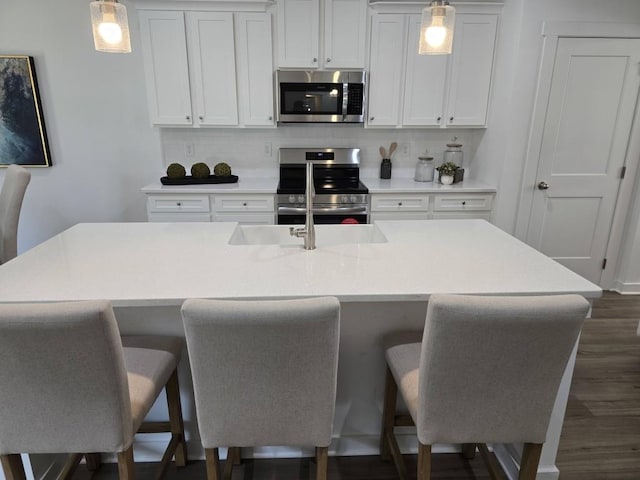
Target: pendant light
<point x="436" y="31"/>
<point x="110" y="26"/>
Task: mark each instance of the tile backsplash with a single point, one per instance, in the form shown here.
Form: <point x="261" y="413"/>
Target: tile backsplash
<point x="254" y="152"/>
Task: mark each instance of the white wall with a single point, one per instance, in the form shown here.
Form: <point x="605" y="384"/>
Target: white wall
<point x="94" y="104"/>
<point x="104" y="149"/>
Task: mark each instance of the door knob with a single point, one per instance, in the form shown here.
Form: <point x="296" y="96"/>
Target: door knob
<point x="543" y="185"/>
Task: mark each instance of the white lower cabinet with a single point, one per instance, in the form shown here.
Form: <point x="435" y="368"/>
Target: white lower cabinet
<point x="426" y="206"/>
<point x="242" y="208"/>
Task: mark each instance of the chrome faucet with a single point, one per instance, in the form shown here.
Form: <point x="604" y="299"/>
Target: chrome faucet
<point x="309" y="231"/>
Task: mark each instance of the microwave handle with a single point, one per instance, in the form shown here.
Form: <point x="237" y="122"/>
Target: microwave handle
<point x="345" y="100"/>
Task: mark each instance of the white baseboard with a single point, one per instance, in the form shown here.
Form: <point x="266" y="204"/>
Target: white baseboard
<point x="626" y="288"/>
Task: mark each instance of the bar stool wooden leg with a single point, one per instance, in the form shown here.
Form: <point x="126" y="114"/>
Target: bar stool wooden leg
<point x="388" y="414"/>
<point x="322" y="454"/>
<point x="13" y="467"/>
<point x="93" y="461"/>
<point x="175" y="418"/>
<point x="125" y="464"/>
<point x="468" y="451"/>
<point x="424" y="462"/>
<point x="212" y="461"/>
<point x="530" y="460"/>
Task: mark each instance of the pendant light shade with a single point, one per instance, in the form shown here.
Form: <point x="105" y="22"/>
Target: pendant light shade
<point x="436" y="30"/>
<point x="110" y="26"/>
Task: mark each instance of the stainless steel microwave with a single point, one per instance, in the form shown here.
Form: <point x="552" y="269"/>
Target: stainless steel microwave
<point x="320" y="96"/>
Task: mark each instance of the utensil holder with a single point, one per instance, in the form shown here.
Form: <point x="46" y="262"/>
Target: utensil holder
<point x="385" y="168"/>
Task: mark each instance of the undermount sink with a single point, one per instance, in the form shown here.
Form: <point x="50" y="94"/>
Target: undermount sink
<point x="326" y="235"/>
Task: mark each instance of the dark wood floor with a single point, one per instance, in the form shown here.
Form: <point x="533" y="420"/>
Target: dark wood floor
<point x="600" y="439"/>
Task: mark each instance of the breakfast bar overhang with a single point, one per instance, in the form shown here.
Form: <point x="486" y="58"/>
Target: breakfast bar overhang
<point x="383" y="283"/>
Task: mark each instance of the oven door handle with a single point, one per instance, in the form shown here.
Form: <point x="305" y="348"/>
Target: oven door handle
<point x="323" y="210"/>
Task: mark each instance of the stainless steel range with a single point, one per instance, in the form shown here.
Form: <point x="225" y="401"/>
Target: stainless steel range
<point x="340" y="195"/>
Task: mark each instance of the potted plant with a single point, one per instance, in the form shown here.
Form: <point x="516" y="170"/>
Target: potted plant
<point x="447" y="170"/>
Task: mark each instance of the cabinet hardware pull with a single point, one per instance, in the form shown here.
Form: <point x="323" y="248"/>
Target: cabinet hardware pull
<point x="188" y="117"/>
<point x="399" y="204"/>
<point x="543" y="185"/>
<point x="438" y="119"/>
<point x="328" y="60"/>
<point x="179" y="204"/>
<point x="244" y="204"/>
<point x="464" y="203"/>
<point x="371" y="119"/>
<point x="315" y="60"/>
<point x="270" y="118"/>
<point x="451" y="119"/>
<point x="201" y="117"/>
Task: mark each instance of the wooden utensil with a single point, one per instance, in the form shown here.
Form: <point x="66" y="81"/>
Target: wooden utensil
<point x="383" y="152"/>
<point x="392" y="148"/>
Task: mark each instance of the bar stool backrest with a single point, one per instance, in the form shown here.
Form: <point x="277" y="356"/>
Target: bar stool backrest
<point x="11" y="195"/>
<point x="490" y="367"/>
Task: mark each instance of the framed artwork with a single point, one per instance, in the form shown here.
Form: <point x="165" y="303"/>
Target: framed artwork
<point x="23" y="138"/>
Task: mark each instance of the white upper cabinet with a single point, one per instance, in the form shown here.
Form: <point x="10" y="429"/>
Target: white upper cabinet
<point x="343" y="40"/>
<point x="166" y="67"/>
<point x="213" y="68"/>
<point x="472" y="64"/>
<point x="411" y="90"/>
<point x="386" y="66"/>
<point x="207" y="68"/>
<point x="254" y="56"/>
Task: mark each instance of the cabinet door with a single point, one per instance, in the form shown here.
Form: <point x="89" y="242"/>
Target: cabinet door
<point x="298" y="30"/>
<point x="345" y="31"/>
<point x="424" y="83"/>
<point x="212" y="62"/>
<point x="255" y="69"/>
<point x="166" y="69"/>
<point x="386" y="65"/>
<point x="472" y="64"/>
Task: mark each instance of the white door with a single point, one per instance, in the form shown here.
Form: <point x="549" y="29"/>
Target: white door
<point x="589" y="115"/>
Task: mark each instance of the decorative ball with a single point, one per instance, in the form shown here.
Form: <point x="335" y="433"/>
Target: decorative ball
<point x="222" y="170"/>
<point x="175" y="170"/>
<point x="200" y="170"/>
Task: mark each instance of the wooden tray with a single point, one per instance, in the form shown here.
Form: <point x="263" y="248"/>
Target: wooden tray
<point x="189" y="180"/>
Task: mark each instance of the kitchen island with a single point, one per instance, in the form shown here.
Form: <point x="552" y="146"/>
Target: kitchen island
<point x="383" y="282"/>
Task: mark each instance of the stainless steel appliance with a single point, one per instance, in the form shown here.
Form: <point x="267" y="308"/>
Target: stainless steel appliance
<point x="320" y="96"/>
<point x="340" y="195"/>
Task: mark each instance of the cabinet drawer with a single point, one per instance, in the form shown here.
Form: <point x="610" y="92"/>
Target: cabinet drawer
<point x="179" y="217"/>
<point x="178" y="203"/>
<point x="244" y="203"/>
<point x="463" y="202"/>
<point x="399" y="203"/>
<point x="475" y="215"/>
<point x="246" y="218"/>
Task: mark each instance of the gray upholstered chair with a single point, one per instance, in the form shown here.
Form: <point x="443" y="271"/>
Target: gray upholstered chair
<point x="69" y="386"/>
<point x="15" y="184"/>
<point x="264" y="373"/>
<point x="487" y="371"/>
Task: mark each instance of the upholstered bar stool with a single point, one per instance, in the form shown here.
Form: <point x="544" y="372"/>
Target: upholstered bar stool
<point x="69" y="386"/>
<point x="264" y="373"/>
<point x="487" y="371"/>
<point x="13" y="188"/>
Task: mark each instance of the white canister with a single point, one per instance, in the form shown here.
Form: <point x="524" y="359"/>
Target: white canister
<point x="453" y="153"/>
<point x="424" y="170"/>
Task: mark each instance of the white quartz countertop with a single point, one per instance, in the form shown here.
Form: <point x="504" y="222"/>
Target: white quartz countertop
<point x="409" y="185"/>
<point x="135" y="264"/>
<point x="243" y="185"/>
<point x="375" y="185"/>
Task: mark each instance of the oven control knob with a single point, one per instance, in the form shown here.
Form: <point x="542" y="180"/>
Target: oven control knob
<point x="300" y="198"/>
<point x="292" y="199"/>
<point x="345" y="199"/>
<point x="354" y="199"/>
